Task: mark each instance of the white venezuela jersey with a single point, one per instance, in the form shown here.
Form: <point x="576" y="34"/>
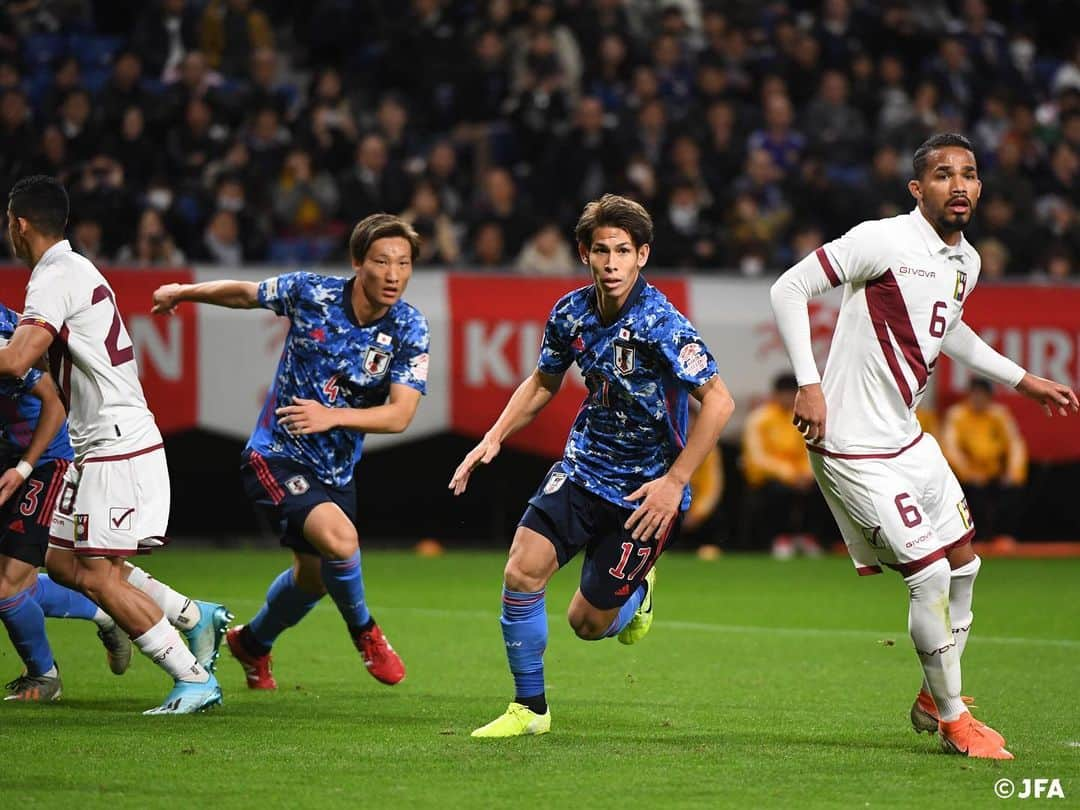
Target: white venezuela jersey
<point x="904" y="289"/>
<point x="91" y="358"/>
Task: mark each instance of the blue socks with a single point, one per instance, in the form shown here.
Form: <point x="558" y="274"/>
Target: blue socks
<point x="59" y="602"/>
<point x="344" y="581"/>
<point x="525" y="631"/>
<point x="627" y="611"/>
<point x="285" y="605"/>
<point x="25" y="623"/>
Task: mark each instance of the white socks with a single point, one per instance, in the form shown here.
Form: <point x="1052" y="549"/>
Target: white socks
<point x="181" y="612"/>
<point x="163" y="644"/>
<point x="961" y="593"/>
<point x="931" y="632"/>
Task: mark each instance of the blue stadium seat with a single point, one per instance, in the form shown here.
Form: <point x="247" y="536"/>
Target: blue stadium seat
<point x="42" y="50"/>
<point x="94" y="51"/>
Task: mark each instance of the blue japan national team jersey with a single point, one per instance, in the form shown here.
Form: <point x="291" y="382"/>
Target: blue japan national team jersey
<point x="19" y="409"/>
<point x="332" y="359"/>
<point x="639" y="371"/>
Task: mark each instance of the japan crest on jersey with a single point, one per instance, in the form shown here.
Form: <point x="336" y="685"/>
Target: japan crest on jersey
<point x="376" y="362"/>
<point x="624" y="358"/>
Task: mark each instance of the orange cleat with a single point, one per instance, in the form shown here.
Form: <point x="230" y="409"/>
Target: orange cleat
<point x="381" y="661"/>
<point x="256" y="667"/>
<point x="968" y="737"/>
<point x="924" y="713"/>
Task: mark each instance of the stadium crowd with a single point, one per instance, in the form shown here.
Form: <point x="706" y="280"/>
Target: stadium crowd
<point x="234" y="131"/>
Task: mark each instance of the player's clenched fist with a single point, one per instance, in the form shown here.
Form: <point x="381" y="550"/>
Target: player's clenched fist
<point x="166" y="297"/>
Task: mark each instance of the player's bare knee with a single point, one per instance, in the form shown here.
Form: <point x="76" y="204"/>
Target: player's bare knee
<point x="518" y="578"/>
<point x="586" y="625"/>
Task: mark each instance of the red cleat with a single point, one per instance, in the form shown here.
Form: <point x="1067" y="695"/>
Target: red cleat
<point x="256" y="667"/>
<point x="379" y="657"/>
<point x="968" y="737"/>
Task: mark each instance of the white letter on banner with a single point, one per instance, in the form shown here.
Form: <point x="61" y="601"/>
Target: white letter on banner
<point x="165" y="353"/>
<point x="484" y="354"/>
<point x="1050" y="354"/>
<point x="529" y="339"/>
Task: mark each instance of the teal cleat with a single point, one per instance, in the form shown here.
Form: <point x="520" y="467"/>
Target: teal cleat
<point x="188" y="698"/>
<point x="206" y="636"/>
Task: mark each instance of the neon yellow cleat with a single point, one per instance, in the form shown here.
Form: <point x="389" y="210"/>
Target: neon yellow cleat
<point x="516" y="722"/>
<point x="642" y="621"/>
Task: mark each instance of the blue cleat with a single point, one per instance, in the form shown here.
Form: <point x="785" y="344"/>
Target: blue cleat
<point x="205" y="637"/>
<point x="188" y="698"/>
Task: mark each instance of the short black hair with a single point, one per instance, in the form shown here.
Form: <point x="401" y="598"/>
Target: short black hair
<point x="613" y="211"/>
<point x="981" y="384"/>
<point x="785" y="382"/>
<point x="921" y="161"/>
<point x="41" y="200"/>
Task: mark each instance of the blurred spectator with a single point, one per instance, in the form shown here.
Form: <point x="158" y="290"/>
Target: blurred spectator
<point x="16" y="137"/>
<point x="838" y="131"/>
<point x="374" y="184"/>
<point x="1058" y="264"/>
<point x="221" y="243"/>
<point x="51" y="155"/>
<point x="86" y="239"/>
<point x="894" y="102"/>
<point x="608" y="79"/>
<point x="447" y="178"/>
<point x="263" y="88"/>
<point x="230" y="31"/>
<point x="100" y="192"/>
<point x="153" y="245"/>
<point x="438" y="239"/>
<point x="231" y="195"/>
<point x="995" y="259"/>
<point x="559" y="48"/>
<point x="886" y="193"/>
<point x="539" y="104"/>
<point x="547" y="253"/>
<point x="328" y="124"/>
<point x="135" y="150"/>
<point x="587" y="162"/>
<point x="685" y="231"/>
<point x="303" y="199"/>
<point x="267" y="140"/>
<point x="781" y="498"/>
<point x="122" y="91"/>
<point x="784" y="144"/>
<point x="989" y="456"/>
<point x="66" y="78"/>
<point x="76" y="125"/>
<point x="193" y="80"/>
<point x="163" y="35"/>
<point x="392" y="122"/>
<point x="488" y="246"/>
<point x="191" y="147"/>
<point x="500" y="202"/>
<point x="484" y="82"/>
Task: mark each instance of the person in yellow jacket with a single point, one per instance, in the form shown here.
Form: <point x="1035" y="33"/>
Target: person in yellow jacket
<point x="782" y="499"/>
<point x="989" y="456"/>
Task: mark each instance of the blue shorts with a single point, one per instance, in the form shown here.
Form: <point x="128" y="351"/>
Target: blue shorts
<point x="26" y="517"/>
<point x="573" y="518"/>
<point x="285" y="492"/>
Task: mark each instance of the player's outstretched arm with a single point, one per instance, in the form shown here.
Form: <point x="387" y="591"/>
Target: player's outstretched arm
<point x="526" y="402"/>
<point x="28" y="343"/>
<point x="308" y="416"/>
<point x="962" y="344"/>
<point x="661" y="497"/>
<point x="224" y="293"/>
<point x="49" y="422"/>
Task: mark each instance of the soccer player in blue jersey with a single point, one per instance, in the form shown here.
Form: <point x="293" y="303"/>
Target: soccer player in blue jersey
<point x="620" y="489"/>
<point x="355" y="362"/>
<point x="34" y="452"/>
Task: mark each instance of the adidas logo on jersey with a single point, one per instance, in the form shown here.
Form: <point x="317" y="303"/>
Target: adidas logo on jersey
<point x="623" y="591"/>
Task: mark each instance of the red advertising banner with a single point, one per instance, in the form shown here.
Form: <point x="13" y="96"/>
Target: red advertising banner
<point x="497" y="324"/>
<point x="166" y="349"/>
<point x="1039" y="328"/>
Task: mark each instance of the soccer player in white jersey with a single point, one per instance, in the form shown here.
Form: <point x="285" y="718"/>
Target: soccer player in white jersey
<point x="114" y="501"/>
<point x="897" y="503"/>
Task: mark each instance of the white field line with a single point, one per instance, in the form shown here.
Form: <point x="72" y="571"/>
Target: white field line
<point x="703" y="627"/>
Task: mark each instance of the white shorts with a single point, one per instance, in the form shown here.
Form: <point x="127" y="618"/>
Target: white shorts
<point x="903" y="510"/>
<point x="113" y="506"/>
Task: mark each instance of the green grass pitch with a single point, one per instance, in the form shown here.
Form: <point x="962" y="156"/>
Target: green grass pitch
<point x="762" y="684"/>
